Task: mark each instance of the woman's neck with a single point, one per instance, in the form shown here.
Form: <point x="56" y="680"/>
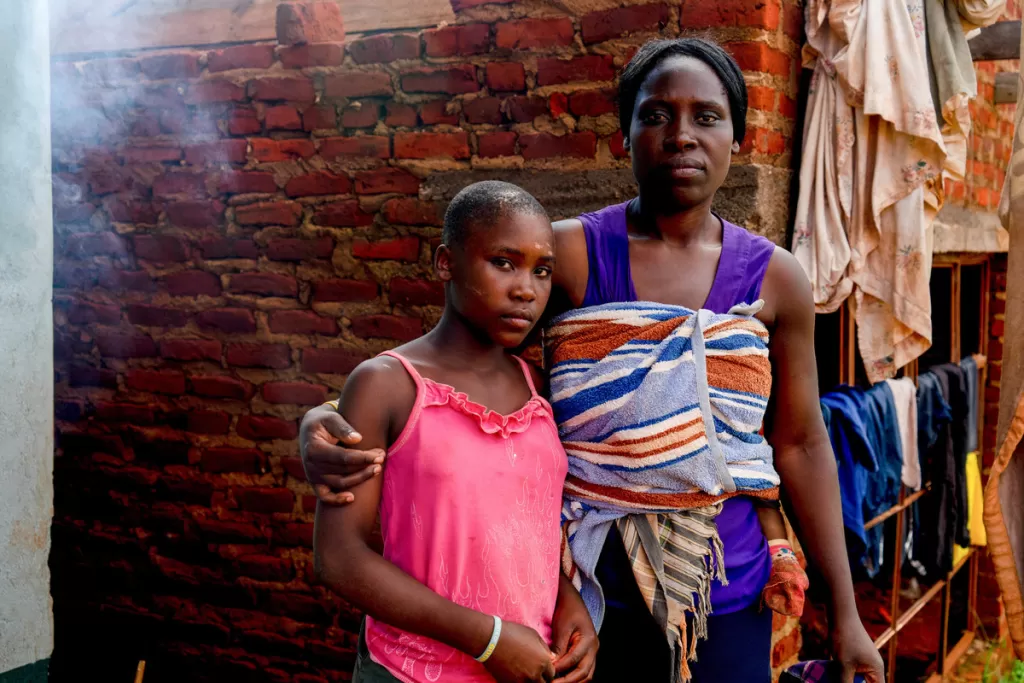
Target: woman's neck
<point x="681" y="227"/>
<point x="456" y="341"/>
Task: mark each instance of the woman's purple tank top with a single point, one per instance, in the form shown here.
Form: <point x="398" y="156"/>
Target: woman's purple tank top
<point x="741" y="270"/>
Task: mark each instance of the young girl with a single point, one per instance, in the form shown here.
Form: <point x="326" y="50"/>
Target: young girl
<point x="472" y="481"/>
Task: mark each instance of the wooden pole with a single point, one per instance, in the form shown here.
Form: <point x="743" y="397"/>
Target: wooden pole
<point x="1004" y="493"/>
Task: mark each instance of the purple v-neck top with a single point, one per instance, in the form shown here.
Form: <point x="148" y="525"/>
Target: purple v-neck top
<point x="741" y="270"/>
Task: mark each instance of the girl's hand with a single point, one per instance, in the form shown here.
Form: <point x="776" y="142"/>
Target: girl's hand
<point x="853" y="648"/>
<point x="521" y="656"/>
<point x="575" y="640"/>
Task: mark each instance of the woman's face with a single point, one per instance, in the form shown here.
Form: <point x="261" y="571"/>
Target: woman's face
<point x="681" y="137"/>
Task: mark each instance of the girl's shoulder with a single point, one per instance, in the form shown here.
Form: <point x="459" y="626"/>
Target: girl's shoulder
<point x="384" y="384"/>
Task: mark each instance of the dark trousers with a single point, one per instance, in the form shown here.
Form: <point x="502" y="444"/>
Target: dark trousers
<point x="367" y="670"/>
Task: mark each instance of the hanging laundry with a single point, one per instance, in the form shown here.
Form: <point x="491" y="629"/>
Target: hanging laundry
<point x="870" y="182"/>
<point x="971" y="377"/>
<point x="975" y="509"/>
<point x="904" y="393"/>
<point x="953" y="80"/>
<point x="865" y="437"/>
<point x="943" y="512"/>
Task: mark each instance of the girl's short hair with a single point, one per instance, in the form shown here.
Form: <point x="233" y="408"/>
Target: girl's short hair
<point x="653" y="53"/>
<point x="484" y="203"/>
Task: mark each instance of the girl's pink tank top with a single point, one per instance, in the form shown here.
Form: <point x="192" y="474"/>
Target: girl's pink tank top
<point x="470" y="507"/>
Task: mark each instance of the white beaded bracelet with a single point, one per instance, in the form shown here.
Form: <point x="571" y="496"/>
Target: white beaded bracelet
<point x="495" y="635"/>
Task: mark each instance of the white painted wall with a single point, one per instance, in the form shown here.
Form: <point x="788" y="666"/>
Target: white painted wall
<point x="26" y="335"/>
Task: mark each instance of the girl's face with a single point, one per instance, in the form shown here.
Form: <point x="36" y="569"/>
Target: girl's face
<point x="681" y="136"/>
<point x="500" y="276"/>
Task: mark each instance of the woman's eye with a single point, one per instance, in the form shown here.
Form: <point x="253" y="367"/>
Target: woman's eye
<point x="543" y="272"/>
<point x="708" y="118"/>
<point x="654" y="117"/>
<point x="502" y="263"/>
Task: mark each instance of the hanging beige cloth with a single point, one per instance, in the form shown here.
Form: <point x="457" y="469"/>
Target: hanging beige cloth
<point x="870" y="176"/>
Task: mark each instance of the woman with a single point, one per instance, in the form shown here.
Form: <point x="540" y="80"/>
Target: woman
<point x="682" y="108"/>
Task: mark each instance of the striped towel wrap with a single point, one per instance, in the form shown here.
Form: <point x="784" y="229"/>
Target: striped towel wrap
<point x="660" y="410"/>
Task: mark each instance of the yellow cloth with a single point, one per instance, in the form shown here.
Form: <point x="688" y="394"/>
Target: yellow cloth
<point x="975" y="523"/>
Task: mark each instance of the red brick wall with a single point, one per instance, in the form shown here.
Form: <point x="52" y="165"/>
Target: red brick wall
<point x="237" y="228"/>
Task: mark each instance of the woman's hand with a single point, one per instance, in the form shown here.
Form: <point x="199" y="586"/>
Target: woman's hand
<point x="521" y="656"/>
<point x="574" y="638"/>
<point x="333" y="469"/>
<point x="853" y="648"/>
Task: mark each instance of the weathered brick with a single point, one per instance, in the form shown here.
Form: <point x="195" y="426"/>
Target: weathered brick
<point x="75" y="275"/>
<point x="208" y="422"/>
<point x="294" y="534"/>
<point x="129" y="210"/>
<point x="88" y="376"/>
<point x="319" y="118"/>
<point x="546" y="145"/>
<point x="283" y="117"/>
<point x="384" y="48"/>
<point x="302" y="322"/>
<point x="617" y="145"/>
<point x="107" y="180"/>
<point x="524" y="109"/>
<point x="192" y="283"/>
<point x="365" y="115"/>
<point x="223" y="247"/>
<point x="460" y="39"/>
<point x="263" y="427"/>
<point x="236" y="320"/>
<point x="245" y="182"/>
<point x="265" y="284"/>
<point x="124" y="412"/>
<point x="343" y="290"/>
<point x="244" y="355"/>
<point x="69" y="411"/>
<point x="240" y="57"/>
<point x="190" y="349"/>
<point x="131" y="280"/>
<point x="593" y="102"/>
<point x="397" y="114"/>
<point x="764" y="14"/>
<point x="216" y="531"/>
<point x="266" y="568"/>
<point x="156" y="316"/>
<point x="213" y="91"/>
<point x="298" y="393"/>
<point x="160" y="248"/>
<point x="85" y="312"/>
<point x="224" y="460"/>
<point x="318" y="183"/>
<point x="764" y="141"/>
<point x="125" y="345"/>
<point x="399" y="249"/>
<point x="761" y="97"/>
<point x="173" y="65"/>
<point x="387" y="326"/>
<point x="534" y="34"/>
<point x="552" y="71"/>
<point x="374" y="146"/>
<point x="196" y="214"/>
<point x="170" y="184"/>
<point x="219" y="386"/>
<point x="219" y="152"/>
<point x="358" y="84"/>
<point x="452" y="80"/>
<point x="269" y="213"/>
<point x="156" y="381"/>
<point x="409" y="211"/>
<point x="331" y="361"/>
<point x="151" y="154"/>
<point x="385" y="180"/>
<point x="760" y="57"/>
<point x="299" y="23"/>
<point x="437" y="112"/>
<point x="342" y="214"/>
<point x="505" y="76"/>
<point x="483" y="110"/>
<point x="428" y="145"/>
<point x="318" y="54"/>
<point x="612" y="23"/>
<point x="80" y="212"/>
<point x="264" y="150"/>
<point x="289" y="88"/>
<point x="408" y="292"/>
<point x="85" y="244"/>
<point x="296" y="249"/>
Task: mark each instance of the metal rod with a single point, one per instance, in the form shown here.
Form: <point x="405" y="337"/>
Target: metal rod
<point x="899" y="507"/>
<point x="909" y="615"/>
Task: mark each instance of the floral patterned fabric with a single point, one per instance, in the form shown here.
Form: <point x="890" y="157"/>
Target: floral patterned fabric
<point x="870" y="178"/>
